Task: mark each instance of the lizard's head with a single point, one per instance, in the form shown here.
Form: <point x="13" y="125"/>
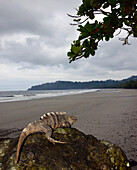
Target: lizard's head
<point x="72" y="119"/>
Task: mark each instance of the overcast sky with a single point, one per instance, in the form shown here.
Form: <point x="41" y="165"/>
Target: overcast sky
<point x="35" y="36"/>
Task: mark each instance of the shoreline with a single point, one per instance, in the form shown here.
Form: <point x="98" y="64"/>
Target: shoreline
<point x="107" y="115"/>
<point x="11" y="96"/>
<point x="16" y="110"/>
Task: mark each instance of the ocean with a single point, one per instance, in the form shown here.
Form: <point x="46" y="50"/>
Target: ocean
<point x="9" y="96"/>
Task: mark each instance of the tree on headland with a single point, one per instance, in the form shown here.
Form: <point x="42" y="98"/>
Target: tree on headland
<point x="118" y="15"/>
<point x="132" y="84"/>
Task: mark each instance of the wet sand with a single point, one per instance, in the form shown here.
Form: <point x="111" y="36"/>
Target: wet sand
<point x="109" y="115"/>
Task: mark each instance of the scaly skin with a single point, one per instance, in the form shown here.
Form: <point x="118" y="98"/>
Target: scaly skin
<point x="46" y="123"/>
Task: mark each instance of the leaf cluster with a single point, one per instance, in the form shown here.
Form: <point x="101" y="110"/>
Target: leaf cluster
<point x="118" y="14"/>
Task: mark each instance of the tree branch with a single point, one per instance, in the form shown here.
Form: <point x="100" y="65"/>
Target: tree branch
<point x="79" y="22"/>
<point x="73" y="16"/>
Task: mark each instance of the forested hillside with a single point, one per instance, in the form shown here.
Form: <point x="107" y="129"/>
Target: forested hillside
<point x="132" y="84"/>
<point x="64" y="85"/>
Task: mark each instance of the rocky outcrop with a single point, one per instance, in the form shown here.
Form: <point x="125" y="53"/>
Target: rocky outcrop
<point x="82" y="152"/>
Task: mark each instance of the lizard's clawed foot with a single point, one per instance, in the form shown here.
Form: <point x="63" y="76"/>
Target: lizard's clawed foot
<point x="54" y="141"/>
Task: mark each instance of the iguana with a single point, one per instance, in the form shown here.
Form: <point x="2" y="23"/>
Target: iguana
<point x="46" y="123"/>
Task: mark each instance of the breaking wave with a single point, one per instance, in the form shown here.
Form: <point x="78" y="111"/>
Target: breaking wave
<point x="9" y="96"/>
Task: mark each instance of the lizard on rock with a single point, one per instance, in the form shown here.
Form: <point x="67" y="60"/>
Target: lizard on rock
<point x="46" y="123"/>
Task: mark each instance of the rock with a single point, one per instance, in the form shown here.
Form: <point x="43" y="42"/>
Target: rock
<point x="82" y="152"/>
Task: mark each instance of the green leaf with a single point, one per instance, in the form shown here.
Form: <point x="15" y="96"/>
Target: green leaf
<point x="111" y="35"/>
<point x="69" y="53"/>
<point x="106" y="5"/>
<point x="89" y="27"/>
<point x="81" y="10"/>
<point x="112" y="2"/>
<point x="92" y="41"/>
<point x="95" y="46"/>
<point x="95" y="27"/>
<point x="78" y="42"/>
<point x="120" y="24"/>
<point x="135" y="30"/>
<point x="83" y="35"/>
<point x="86" y="43"/>
<point x="96" y="4"/>
<point x="100" y="36"/>
<point x="122" y="10"/>
<point x="107" y="37"/>
<point x="81" y="28"/>
<point x="87" y="4"/>
<point x="76" y="20"/>
<point x="92" y="52"/>
<point x="135" y="33"/>
<point x="76" y="49"/>
<point x="91" y="15"/>
<point x="87" y="53"/>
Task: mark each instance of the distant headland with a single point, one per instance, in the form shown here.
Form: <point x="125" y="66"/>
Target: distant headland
<point x="130" y="82"/>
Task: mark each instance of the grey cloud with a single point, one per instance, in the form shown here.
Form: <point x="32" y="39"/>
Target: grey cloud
<point x="37" y="17"/>
<point x="33" y="51"/>
<point x="15" y="18"/>
<point x="114" y="56"/>
<point x="47" y="19"/>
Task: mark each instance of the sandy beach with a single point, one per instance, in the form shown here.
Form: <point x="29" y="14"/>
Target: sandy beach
<point x="109" y="115"/>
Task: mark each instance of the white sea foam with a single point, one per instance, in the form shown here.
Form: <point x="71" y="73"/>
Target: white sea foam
<point x="9" y="96"/>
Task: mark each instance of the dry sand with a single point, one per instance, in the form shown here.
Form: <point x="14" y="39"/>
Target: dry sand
<point x="108" y="114"/>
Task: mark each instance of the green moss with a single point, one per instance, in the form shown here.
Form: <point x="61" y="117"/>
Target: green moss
<point x="107" y="143"/>
<point x="14" y="168"/>
<point x="42" y="168"/>
<point x="127" y="164"/>
<point x="60" y="130"/>
<point x="68" y="130"/>
<point x="1" y="151"/>
<point x="7" y="141"/>
<point x="112" y="160"/>
<point x="70" y="148"/>
<point x="79" y="152"/>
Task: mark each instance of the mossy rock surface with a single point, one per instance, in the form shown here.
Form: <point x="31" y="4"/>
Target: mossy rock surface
<point x="82" y="152"/>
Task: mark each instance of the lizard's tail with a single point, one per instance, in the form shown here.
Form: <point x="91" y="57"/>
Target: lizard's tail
<point x="26" y="131"/>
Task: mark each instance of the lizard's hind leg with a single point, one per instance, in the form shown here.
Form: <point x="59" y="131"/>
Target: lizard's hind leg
<point x="47" y="129"/>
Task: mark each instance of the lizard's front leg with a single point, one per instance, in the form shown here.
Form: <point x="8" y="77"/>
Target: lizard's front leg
<point x="47" y="129"/>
